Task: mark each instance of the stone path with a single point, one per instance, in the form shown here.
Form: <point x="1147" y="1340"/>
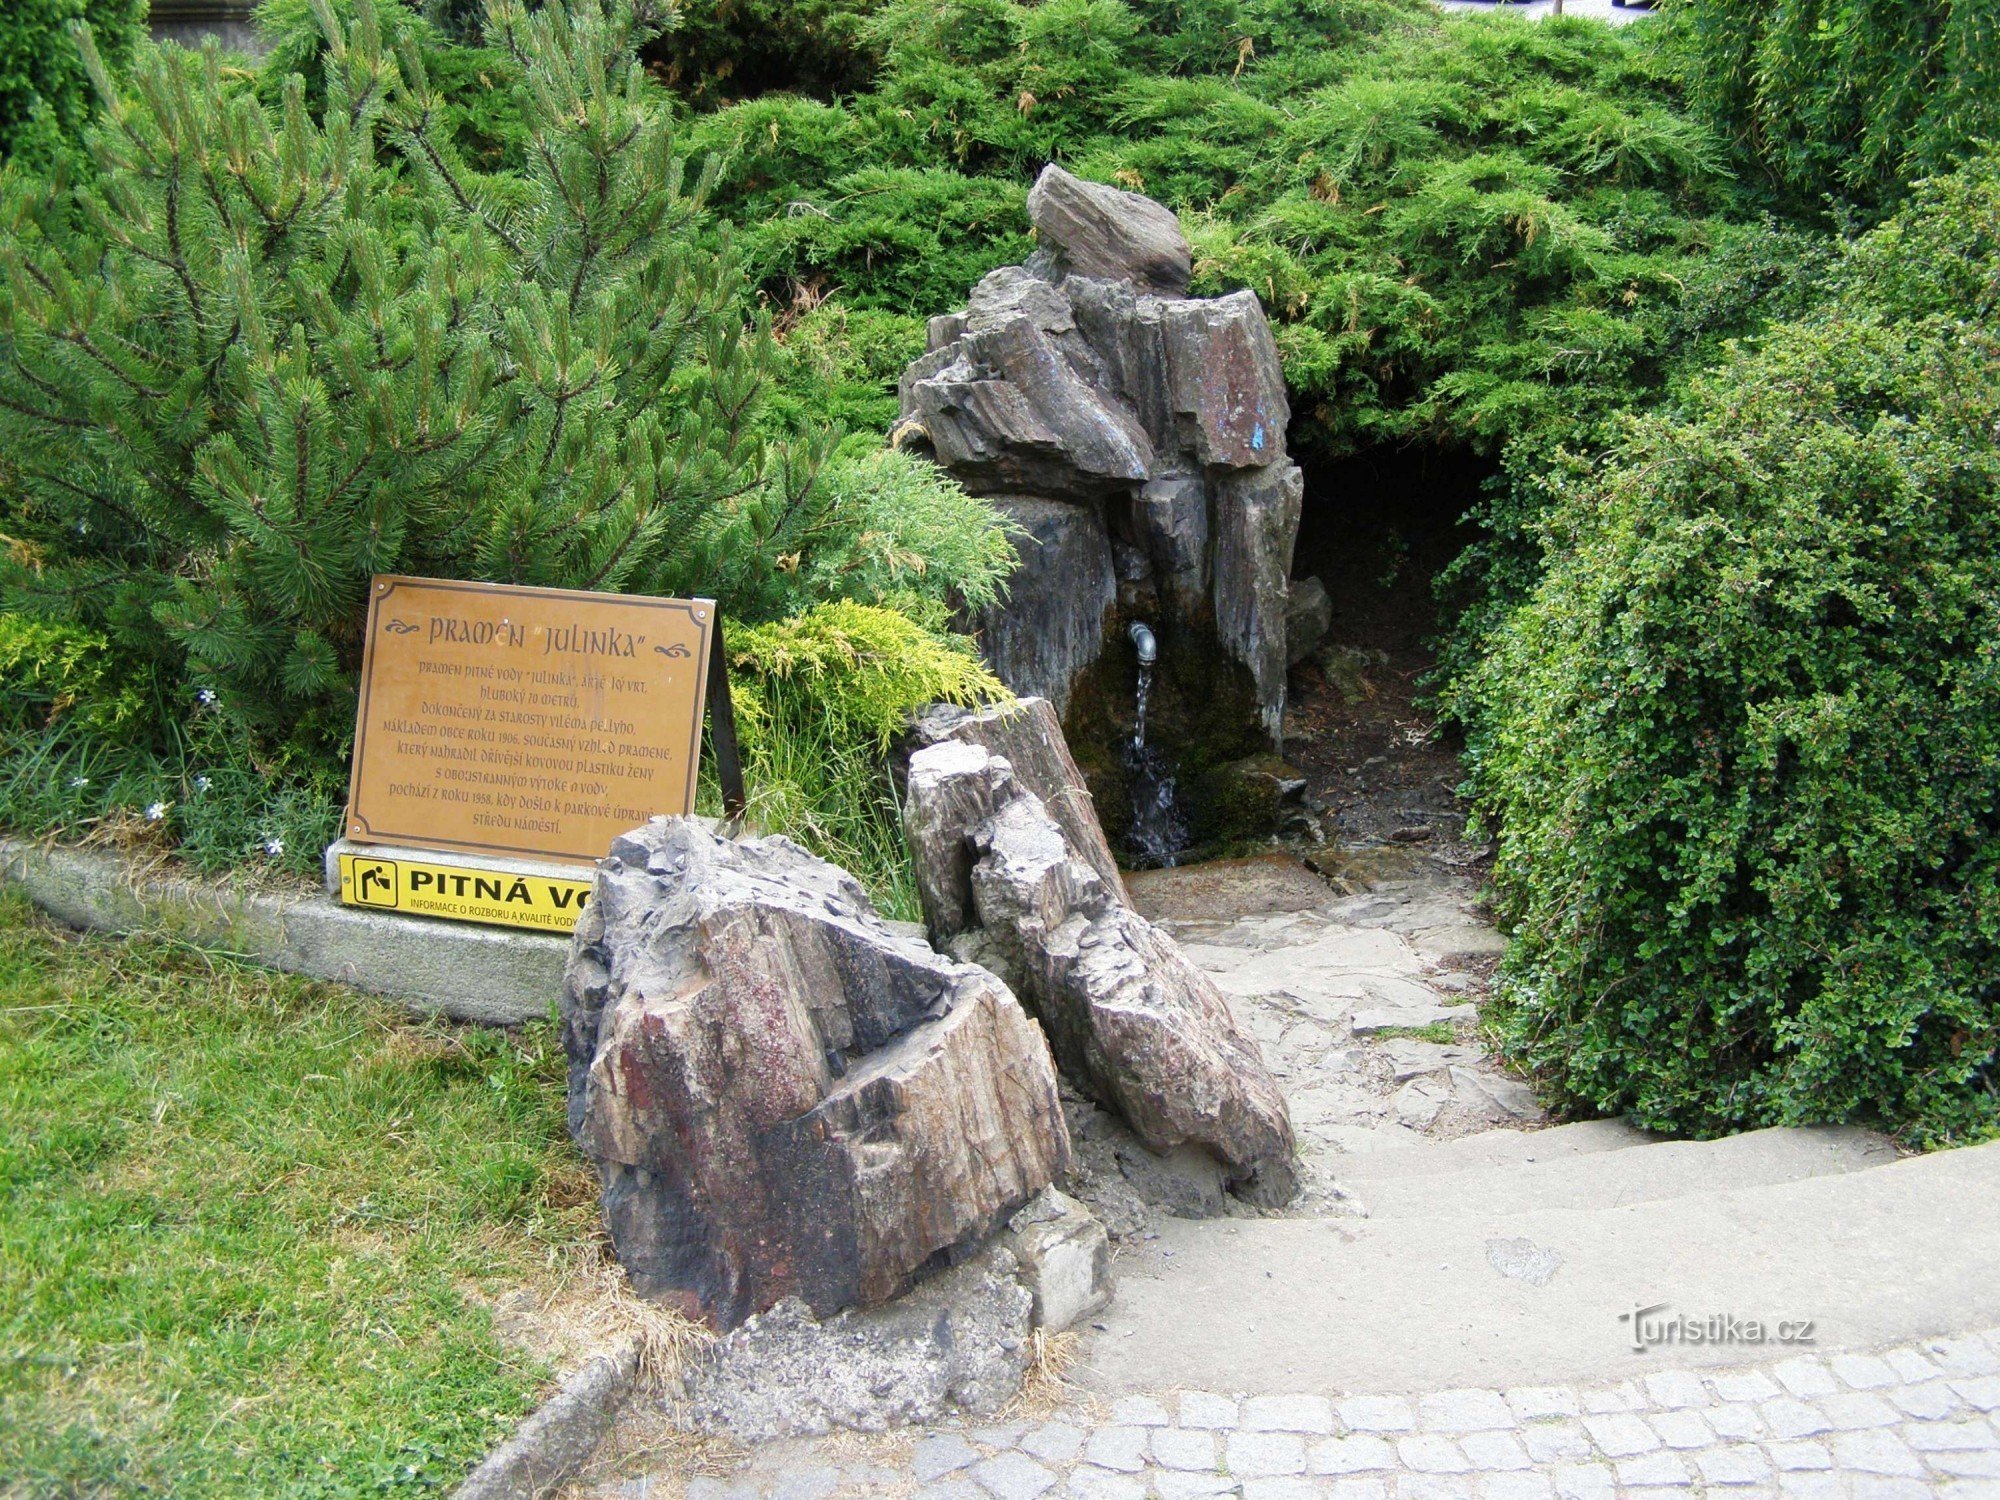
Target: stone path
<point x="1918" y="1420"/>
<point x="1444" y="1240"/>
<point x="1362" y="1003"/>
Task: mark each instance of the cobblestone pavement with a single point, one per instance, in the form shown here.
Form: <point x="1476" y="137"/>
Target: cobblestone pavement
<point x="1916" y="1421"/>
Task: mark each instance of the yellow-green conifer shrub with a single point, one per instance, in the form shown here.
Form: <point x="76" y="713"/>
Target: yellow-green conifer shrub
<point x="820" y="699"/>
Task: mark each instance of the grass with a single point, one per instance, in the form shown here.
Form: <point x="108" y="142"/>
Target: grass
<point x="1441" y="1032"/>
<point x="253" y="1230"/>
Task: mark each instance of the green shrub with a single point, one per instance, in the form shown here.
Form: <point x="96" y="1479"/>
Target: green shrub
<point x="820" y="699"/>
<point x="922" y="541"/>
<point x="1740" y="749"/>
<point x="733" y="49"/>
<point x="1847" y="97"/>
<point x="57" y="674"/>
<point x="840" y="364"/>
<point x="1464" y="228"/>
<point x="475" y="88"/>
<point x="289" y="334"/>
<point x="226" y="407"/>
<point x="203" y="788"/>
<point x="1474" y="232"/>
<point x="45" y="96"/>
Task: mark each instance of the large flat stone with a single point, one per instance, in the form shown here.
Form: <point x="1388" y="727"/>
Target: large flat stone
<point x="1890" y="1253"/>
<point x="1229" y="889"/>
<point x="1376" y="1018"/>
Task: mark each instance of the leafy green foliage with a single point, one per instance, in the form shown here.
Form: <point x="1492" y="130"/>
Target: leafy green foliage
<point x="1740" y="748"/>
<point x="201" y="787"/>
<point x="293" y="331"/>
<point x="80" y="759"/>
<point x="840" y="364"/>
<point x="1847" y="97"/>
<point x="1465" y="229"/>
<point x="730" y="49"/>
<point x="216" y="1180"/>
<point x="1473" y="232"/>
<point x="476" y="88"/>
<point x="819" y="699"/>
<point x="51" y="672"/>
<point x="45" y="95"/>
<point x="242" y="369"/>
<point x="922" y="542"/>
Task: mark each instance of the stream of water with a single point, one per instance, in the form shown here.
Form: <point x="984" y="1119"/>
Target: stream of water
<point x="1159" y="832"/>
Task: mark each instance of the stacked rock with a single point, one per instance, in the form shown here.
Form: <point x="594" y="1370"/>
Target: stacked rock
<point x="1135" y="434"/>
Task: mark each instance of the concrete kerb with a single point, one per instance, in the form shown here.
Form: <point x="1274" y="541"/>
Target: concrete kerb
<point x="490" y="974"/>
<point x="558" y="1438"/>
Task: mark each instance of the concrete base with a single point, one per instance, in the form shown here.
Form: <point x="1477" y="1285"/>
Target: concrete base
<point x="1882" y="1255"/>
<point x="488" y="974"/>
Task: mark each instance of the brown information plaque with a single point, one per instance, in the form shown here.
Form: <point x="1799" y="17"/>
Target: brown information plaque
<point x="524" y="721"/>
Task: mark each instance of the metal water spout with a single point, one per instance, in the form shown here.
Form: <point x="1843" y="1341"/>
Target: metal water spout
<point x="1142" y="637"/>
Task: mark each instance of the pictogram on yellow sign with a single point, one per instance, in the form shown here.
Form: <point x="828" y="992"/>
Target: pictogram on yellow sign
<point x="542" y="902"/>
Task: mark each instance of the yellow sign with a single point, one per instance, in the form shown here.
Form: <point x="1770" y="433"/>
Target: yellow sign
<point x="542" y="902"/>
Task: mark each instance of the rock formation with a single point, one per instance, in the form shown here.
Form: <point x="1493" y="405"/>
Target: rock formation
<point x="1132" y="1021"/>
<point x="1029" y="737"/>
<point x="1137" y="435"/>
<point x="1064" y="1259"/>
<point x="782" y="1096"/>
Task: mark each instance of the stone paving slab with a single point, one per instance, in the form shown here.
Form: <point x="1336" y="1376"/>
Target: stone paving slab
<point x="1351" y="999"/>
<point x="1918" y="1420"/>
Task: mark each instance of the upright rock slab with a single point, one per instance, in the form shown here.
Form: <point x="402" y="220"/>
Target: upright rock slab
<point x="783" y="1098"/>
<point x="1132" y="1021"/>
<point x="1092" y="398"/>
<point x="1059" y="596"/>
<point x="1028" y="735"/>
<point x="1256" y="521"/>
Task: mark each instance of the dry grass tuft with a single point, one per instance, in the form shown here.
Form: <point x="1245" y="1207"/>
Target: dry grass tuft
<point x="1045" y="1386"/>
<point x="584" y="1304"/>
<point x="646" y="1439"/>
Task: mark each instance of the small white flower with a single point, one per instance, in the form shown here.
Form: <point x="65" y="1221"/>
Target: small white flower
<point x="207" y="698"/>
<point x="202" y="783"/>
<point x="78" y="781"/>
<point x="274" y="847"/>
<point x="156" y="811"/>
